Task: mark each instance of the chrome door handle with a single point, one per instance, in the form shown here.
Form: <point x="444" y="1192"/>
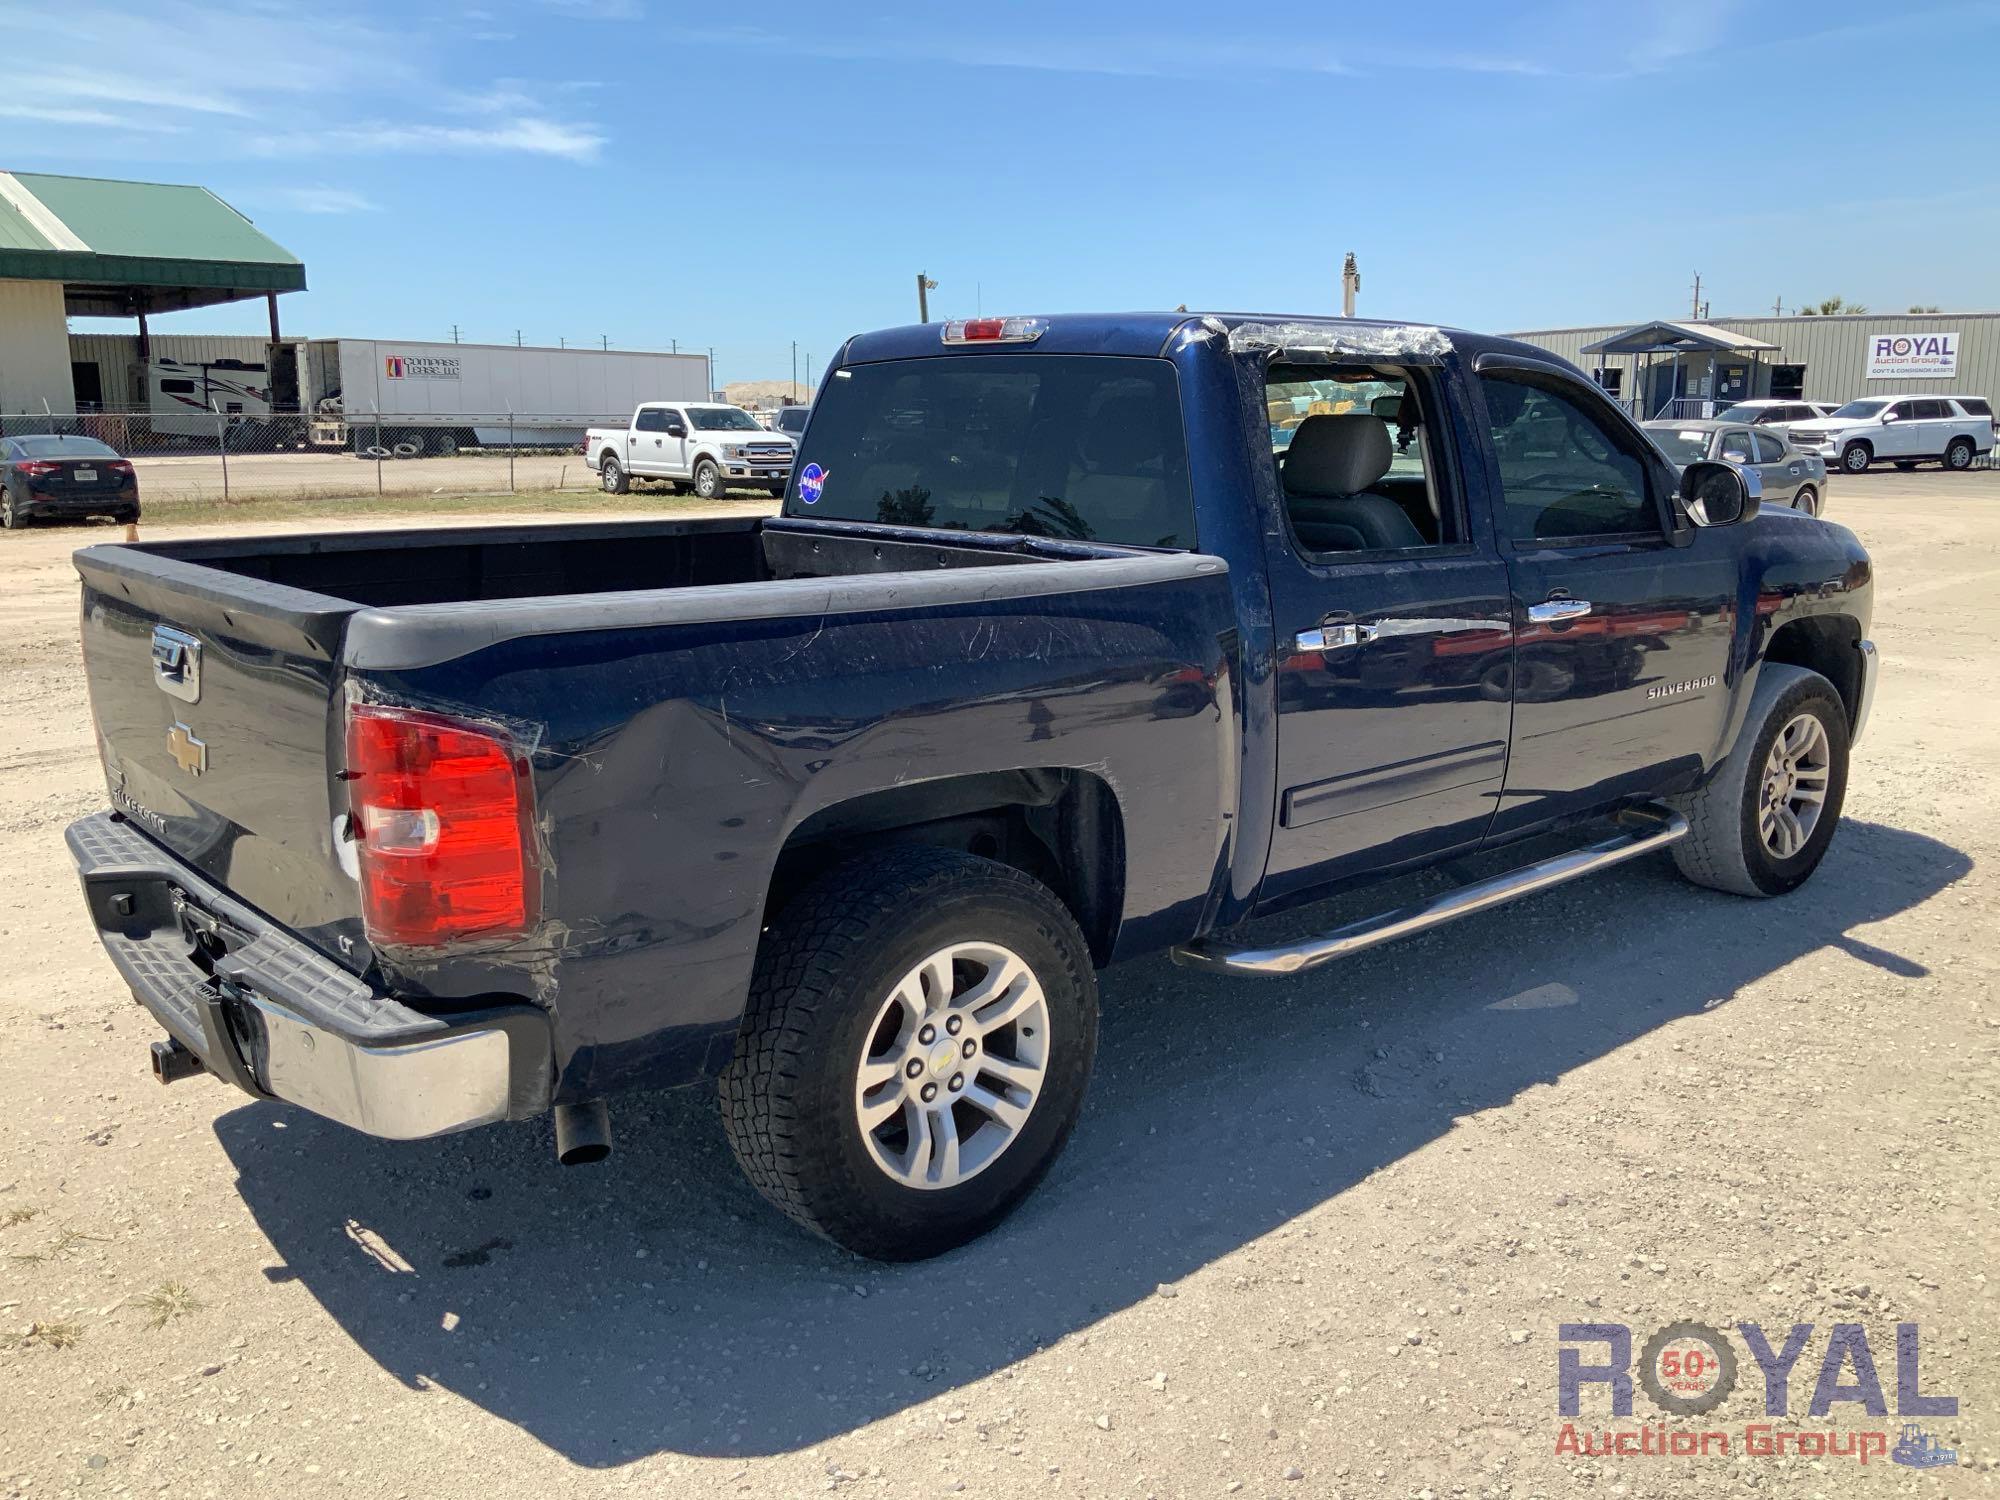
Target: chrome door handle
<point x="1330" y="638"/>
<point x="1558" y="609"/>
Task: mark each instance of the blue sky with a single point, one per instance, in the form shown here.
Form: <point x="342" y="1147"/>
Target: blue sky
<point x="745" y="175"/>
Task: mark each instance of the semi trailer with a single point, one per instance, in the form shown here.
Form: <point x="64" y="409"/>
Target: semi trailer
<point x="405" y="396"/>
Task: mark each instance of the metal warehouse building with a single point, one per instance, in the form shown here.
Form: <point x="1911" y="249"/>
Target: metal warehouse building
<point x="93" y="248"/>
<point x="1686" y="369"/>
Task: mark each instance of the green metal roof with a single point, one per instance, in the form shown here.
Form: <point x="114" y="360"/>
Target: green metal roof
<point x="121" y="245"/>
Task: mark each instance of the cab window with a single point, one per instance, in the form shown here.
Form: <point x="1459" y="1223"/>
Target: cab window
<point x="650" y="419"/>
<point x="1565" y="470"/>
<point x="1357" y="450"/>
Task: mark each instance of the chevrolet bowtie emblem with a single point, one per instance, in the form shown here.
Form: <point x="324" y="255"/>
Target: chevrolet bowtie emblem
<point x="189" y="753"/>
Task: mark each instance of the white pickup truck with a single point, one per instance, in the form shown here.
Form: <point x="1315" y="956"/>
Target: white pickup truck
<point x="710" y="447"/>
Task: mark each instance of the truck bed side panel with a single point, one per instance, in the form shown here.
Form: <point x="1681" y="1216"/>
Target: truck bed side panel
<point x="676" y="760"/>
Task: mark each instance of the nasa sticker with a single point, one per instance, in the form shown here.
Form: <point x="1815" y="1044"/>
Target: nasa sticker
<point x="812" y="480"/>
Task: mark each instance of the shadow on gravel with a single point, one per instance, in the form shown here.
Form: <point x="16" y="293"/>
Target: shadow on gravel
<point x="655" y="1303"/>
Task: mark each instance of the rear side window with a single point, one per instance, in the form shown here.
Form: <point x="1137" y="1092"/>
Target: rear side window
<point x="1976" y="406"/>
<point x="1080" y="447"/>
<point x="1769" y="449"/>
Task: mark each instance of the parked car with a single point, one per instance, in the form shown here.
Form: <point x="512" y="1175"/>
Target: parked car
<point x="791" y="421"/>
<point x="64" y="475"/>
<point x="1790" y="476"/>
<point x="1906" y="431"/>
<point x="711" y="448"/>
<point x="1048" y="661"/>
<point x="1770" y="412"/>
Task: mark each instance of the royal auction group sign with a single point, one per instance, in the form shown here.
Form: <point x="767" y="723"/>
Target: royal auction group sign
<point x="1933" y="356"/>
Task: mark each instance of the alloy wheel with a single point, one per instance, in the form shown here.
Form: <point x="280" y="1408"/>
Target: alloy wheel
<point x="953" y="1065"/>
<point x="1797" y="773"/>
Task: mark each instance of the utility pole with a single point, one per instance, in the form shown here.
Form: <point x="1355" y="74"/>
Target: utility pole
<point x="604" y="342"/>
<point x="809" y="371"/>
<point x="714" y="389"/>
<point x="795" y="369"/>
<point x="1694" y="311"/>
<point x="1350" y="285"/>
<point x="1778" y="308"/>
<point x="517" y="338"/>
<point x="925" y="286"/>
<point x="454" y="333"/>
<point x="561" y="342"/>
<point x="676" y="345"/>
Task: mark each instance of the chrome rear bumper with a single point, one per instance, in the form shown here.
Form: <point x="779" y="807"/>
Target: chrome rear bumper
<point x="268" y="1012"/>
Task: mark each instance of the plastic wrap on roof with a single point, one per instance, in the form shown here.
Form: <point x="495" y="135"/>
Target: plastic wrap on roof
<point x="1406" y="343"/>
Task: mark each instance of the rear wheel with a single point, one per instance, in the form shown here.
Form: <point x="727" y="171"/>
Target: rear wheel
<point x="708" y="480"/>
<point x="915" y="1050"/>
<point x="1856" y="457"/>
<point x="1807" y="500"/>
<point x="611" y="476"/>
<point x="1959" y="454"/>
<point x="1762" y="823"/>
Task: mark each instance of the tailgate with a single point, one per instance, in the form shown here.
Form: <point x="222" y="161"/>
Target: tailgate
<point x="213" y="698"/>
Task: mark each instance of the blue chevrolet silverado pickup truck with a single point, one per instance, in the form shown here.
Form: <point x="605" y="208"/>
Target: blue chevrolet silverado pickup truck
<point x="1076" y="638"/>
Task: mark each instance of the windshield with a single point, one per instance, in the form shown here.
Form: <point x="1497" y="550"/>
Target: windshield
<point x="1682" y="445"/>
<point x="1857" y="409"/>
<point x="63" y="446"/>
<point x="1081" y="447"/>
<point x="722" y="419"/>
<point x="1743" y="413"/>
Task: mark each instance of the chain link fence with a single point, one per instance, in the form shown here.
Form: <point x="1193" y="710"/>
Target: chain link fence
<point x="207" y="456"/>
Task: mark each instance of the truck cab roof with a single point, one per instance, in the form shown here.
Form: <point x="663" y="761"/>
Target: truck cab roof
<point x="1143" y="334"/>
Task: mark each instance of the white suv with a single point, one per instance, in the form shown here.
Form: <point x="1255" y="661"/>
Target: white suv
<point x="1903" y="430"/>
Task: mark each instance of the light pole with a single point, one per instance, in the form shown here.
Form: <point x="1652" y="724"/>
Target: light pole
<point x="925" y="286"/>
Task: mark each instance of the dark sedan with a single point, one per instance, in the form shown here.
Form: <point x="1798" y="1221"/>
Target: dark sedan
<point x="63" y="475"/>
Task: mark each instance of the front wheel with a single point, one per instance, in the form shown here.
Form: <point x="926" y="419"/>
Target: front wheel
<point x="708" y="480"/>
<point x="1959" y="454"/>
<point x="1761" y="824"/>
<point x="611" y="476"/>
<point x="10" y="518"/>
<point x="918" y="1038"/>
<point x="1856" y="457"/>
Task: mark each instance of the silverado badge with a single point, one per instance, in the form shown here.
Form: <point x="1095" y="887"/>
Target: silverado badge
<point x="189" y="753"/>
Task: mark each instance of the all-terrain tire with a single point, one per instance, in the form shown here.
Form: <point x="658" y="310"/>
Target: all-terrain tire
<point x="824" y="970"/>
<point x="1724" y="847"/>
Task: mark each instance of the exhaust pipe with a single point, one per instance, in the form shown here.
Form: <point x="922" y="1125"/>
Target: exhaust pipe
<point x="583" y="1133"/>
<point x="173" y="1062"/>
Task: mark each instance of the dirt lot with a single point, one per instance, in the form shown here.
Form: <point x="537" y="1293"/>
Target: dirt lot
<point x="1314" y="1237"/>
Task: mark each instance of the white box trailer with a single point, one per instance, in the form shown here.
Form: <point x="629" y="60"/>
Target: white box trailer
<point x="407" y="396"/>
<point x="439" y="397"/>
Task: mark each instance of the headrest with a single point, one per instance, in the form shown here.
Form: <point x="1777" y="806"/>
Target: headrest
<point x="1122" y="436"/>
<point x="1337" y="455"/>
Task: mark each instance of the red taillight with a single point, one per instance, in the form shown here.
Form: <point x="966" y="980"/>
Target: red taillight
<point x="119" y="466"/>
<point x="994" y="330"/>
<point x="36" y="467"/>
<point x="444" y="817"/>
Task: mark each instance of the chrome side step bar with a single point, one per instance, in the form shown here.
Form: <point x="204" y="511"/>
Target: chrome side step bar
<point x="1652" y="827"/>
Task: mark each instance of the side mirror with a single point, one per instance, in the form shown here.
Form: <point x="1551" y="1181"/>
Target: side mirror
<point x="1888" y="417"/>
<point x="676" y="429"/>
<point x="1720" y="494"/>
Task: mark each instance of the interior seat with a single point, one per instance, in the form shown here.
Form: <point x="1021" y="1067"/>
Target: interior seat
<point x="1330" y="469"/>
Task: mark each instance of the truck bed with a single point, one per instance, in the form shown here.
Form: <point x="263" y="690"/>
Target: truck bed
<point x="674" y="685"/>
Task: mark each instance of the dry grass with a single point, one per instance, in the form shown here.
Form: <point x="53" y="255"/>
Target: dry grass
<point x="15" y="1216"/>
<point x="54" y="1335"/>
<point x="167" y="1301"/>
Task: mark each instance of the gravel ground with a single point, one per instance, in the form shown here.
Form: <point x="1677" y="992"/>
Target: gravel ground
<point x="1314" y="1236"/>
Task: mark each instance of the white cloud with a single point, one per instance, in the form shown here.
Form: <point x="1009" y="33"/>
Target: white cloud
<point x="598" y="10"/>
<point x="175" y="64"/>
<point x="328" y="200"/>
<point x="535" y="137"/>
